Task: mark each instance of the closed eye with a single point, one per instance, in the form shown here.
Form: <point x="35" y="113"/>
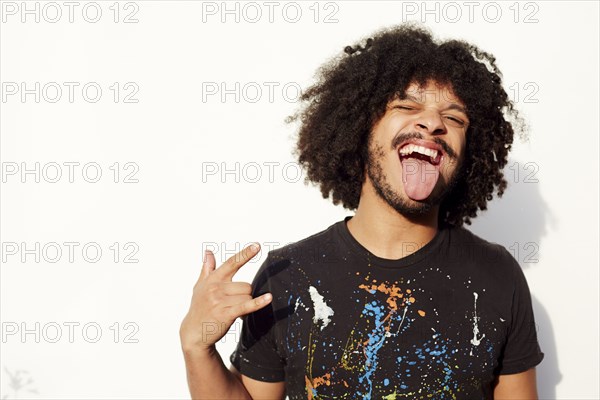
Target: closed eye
<point x="456" y="120"/>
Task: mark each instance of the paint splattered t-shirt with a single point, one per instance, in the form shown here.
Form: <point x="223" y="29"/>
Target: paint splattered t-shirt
<point x="440" y="323"/>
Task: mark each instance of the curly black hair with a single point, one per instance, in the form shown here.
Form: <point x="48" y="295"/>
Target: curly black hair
<point x="352" y="91"/>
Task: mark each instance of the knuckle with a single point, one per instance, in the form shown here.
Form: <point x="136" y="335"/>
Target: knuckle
<point x="213" y="288"/>
<point x="233" y="259"/>
<point x="214" y="301"/>
<point x="200" y="284"/>
<point x="252" y="304"/>
<point x="247" y="288"/>
<point x="243" y="255"/>
<point x="243" y="288"/>
<point x="227" y="264"/>
<point x="232" y="313"/>
<point x="243" y="309"/>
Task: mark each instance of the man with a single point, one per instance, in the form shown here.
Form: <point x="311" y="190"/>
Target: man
<point x="399" y="300"/>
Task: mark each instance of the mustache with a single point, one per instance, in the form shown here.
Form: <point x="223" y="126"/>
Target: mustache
<point x="399" y="139"/>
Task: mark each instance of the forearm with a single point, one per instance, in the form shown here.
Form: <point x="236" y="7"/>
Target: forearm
<point x="209" y="378"/>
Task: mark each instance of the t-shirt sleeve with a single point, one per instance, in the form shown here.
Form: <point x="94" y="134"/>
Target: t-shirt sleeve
<point x="256" y="354"/>
<point x="522" y="350"/>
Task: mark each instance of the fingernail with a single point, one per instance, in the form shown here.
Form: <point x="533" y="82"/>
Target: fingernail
<point x="205" y="255"/>
<point x="254" y="246"/>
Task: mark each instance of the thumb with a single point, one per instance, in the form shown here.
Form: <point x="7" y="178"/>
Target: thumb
<point x="208" y="264"/>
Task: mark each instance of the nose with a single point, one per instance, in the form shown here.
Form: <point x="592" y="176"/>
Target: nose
<point x="430" y="122"/>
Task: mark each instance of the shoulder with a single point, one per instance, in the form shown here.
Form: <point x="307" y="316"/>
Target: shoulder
<point x="469" y="249"/>
<point x="464" y="235"/>
<point x="311" y="250"/>
<point x="462" y="238"/>
<point x="314" y="246"/>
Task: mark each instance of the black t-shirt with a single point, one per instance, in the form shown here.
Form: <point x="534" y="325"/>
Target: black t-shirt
<point x="440" y="323"/>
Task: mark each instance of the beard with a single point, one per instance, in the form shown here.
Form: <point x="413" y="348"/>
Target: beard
<point x="406" y="206"/>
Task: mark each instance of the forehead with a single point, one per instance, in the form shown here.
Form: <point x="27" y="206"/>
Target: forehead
<point x="432" y="91"/>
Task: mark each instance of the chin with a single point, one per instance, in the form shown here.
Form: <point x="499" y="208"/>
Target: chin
<point x="390" y="190"/>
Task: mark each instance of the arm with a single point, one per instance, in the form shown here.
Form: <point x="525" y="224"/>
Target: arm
<point x="517" y="376"/>
<point x="208" y="377"/>
<point x="521" y="386"/>
<point x="205" y="369"/>
<point x="267" y="390"/>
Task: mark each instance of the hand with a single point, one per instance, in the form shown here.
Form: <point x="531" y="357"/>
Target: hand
<point x="217" y="301"/>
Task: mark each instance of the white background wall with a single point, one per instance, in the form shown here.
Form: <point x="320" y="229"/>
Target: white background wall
<point x="177" y="134"/>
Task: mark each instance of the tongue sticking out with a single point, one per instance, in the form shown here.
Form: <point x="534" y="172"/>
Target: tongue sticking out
<point x="419" y="177"/>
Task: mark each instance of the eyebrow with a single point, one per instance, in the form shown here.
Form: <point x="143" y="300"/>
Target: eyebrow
<point x="452" y="106"/>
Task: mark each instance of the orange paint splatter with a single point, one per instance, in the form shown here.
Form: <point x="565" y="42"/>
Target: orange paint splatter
<point x="392" y="303"/>
<point x="309" y="387"/>
<point x="325" y="379"/>
<point x="421" y="313"/>
<point x="394" y="294"/>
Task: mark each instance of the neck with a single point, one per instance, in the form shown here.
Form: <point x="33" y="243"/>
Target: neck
<point x="388" y="234"/>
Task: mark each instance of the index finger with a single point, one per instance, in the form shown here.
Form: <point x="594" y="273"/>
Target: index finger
<point x="235" y="262"/>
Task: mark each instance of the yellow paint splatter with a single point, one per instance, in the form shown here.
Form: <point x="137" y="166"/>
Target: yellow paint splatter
<point x="309" y="387"/>
<point x="391" y="396"/>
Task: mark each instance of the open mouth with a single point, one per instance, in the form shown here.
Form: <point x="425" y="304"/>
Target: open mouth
<point x="429" y="155"/>
<point x="421" y="163"/>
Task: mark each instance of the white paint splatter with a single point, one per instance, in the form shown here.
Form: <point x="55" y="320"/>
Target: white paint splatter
<point x="476" y="340"/>
<point x="390" y="334"/>
<point x="298" y="304"/>
<point x="402" y="321"/>
<point x="322" y="311"/>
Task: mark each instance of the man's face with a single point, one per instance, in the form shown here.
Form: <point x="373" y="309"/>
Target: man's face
<point x="417" y="147"/>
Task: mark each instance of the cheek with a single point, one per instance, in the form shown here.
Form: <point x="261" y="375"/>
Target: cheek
<point x="463" y="149"/>
<point x="388" y="163"/>
<point x="391" y="165"/>
<point x="394" y="161"/>
<point x="460" y="148"/>
<point x="460" y="145"/>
